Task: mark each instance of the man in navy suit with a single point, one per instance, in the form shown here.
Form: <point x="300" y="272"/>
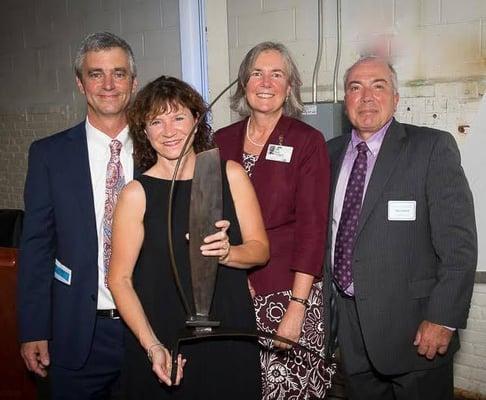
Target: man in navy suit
<point x="69" y="325"/>
<point x="404" y="246"/>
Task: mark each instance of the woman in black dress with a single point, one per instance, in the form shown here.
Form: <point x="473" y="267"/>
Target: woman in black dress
<point x="140" y="278"/>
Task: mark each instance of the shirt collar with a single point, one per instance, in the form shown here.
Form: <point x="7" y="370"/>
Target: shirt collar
<point x="374" y="141"/>
<point x="101" y="139"/>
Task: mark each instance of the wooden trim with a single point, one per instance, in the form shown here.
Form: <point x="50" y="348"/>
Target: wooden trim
<point x="463" y="394"/>
<point x="8" y="257"/>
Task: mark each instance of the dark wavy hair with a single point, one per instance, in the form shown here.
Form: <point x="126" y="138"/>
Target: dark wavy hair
<point x="159" y="96"/>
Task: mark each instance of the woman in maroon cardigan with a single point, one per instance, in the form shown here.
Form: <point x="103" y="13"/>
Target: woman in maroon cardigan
<point x="288" y="164"/>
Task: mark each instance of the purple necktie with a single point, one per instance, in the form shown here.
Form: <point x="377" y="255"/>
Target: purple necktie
<point x="115" y="180"/>
<point x="343" y="248"/>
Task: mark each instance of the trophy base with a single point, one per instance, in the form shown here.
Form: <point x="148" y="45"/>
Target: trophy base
<point x="201" y="323"/>
<point x="204" y="332"/>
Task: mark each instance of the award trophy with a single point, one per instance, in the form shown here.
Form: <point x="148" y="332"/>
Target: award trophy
<point x="206" y="207"/>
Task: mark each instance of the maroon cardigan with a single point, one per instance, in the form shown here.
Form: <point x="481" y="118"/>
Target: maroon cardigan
<point x="294" y="199"/>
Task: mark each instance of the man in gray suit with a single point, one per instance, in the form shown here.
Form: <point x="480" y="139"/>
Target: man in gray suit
<point x="403" y="246"/>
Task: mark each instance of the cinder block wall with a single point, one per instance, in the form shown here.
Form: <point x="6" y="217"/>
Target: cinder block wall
<point x="38" y="40"/>
<point x="439" y="50"/>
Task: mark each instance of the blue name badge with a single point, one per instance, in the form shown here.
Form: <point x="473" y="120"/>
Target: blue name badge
<point x="62" y="273"/>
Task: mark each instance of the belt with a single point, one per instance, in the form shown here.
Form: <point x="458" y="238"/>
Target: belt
<point x="112" y="313"/>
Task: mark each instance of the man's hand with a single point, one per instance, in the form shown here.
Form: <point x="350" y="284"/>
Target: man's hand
<point x="36" y="356"/>
<point x="432" y="339"/>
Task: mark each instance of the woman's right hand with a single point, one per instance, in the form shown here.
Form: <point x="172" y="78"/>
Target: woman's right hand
<point x="162" y="365"/>
<point x="217" y="244"/>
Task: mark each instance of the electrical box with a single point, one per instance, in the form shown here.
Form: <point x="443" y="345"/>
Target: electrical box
<point x="327" y="117"/>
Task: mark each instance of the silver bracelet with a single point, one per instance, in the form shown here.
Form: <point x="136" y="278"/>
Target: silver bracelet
<point x="149" y="350"/>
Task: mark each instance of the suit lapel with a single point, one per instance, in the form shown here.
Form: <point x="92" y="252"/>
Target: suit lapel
<point x="337" y="158"/>
<point x="81" y="179"/>
<point x="388" y="157"/>
<point x="337" y="161"/>
<point x="262" y="164"/>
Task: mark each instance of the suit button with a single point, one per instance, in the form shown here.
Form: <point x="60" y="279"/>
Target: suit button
<point x="93" y="297"/>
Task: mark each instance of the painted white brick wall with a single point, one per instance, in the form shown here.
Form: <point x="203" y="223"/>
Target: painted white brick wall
<point x="439" y="50"/>
<point x="38" y="40"/>
<point x="470" y="362"/>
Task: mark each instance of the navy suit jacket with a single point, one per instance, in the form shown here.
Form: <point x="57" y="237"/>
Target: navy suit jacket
<point x="59" y="224"/>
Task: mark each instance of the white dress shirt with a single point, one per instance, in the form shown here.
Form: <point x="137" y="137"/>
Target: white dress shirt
<point x="99" y="155"/>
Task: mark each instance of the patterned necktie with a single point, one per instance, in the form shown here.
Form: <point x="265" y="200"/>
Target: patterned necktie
<point x="115" y="180"/>
<point x="343" y="249"/>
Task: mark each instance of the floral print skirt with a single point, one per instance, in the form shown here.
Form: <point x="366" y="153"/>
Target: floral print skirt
<point x="294" y="374"/>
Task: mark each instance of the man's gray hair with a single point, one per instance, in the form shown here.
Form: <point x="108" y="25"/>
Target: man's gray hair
<point x="102" y="41"/>
<point x="293" y="105"/>
<point x="366" y="58"/>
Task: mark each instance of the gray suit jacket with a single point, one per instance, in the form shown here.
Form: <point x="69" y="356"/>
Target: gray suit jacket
<point x="408" y="271"/>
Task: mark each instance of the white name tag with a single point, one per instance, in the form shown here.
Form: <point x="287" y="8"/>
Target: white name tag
<point x="399" y="210"/>
<point x="62" y="273"/>
<point x="277" y="152"/>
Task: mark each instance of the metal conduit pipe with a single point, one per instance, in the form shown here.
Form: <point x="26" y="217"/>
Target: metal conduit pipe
<point x="319" y="51"/>
<point x="338" y="51"/>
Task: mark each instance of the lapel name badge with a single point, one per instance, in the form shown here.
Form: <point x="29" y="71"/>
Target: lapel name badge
<point x="62" y="273"/>
<point x="280" y="153"/>
<point x="399" y="210"/>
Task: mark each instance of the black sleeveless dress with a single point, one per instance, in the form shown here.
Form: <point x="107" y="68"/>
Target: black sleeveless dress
<point x="215" y="369"/>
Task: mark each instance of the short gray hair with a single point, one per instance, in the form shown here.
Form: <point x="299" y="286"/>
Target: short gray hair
<point x="102" y="41"/>
<point x="366" y="58"/>
<point x="293" y="105"/>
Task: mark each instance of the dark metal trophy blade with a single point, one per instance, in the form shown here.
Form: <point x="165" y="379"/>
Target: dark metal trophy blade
<point x="206" y="208"/>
